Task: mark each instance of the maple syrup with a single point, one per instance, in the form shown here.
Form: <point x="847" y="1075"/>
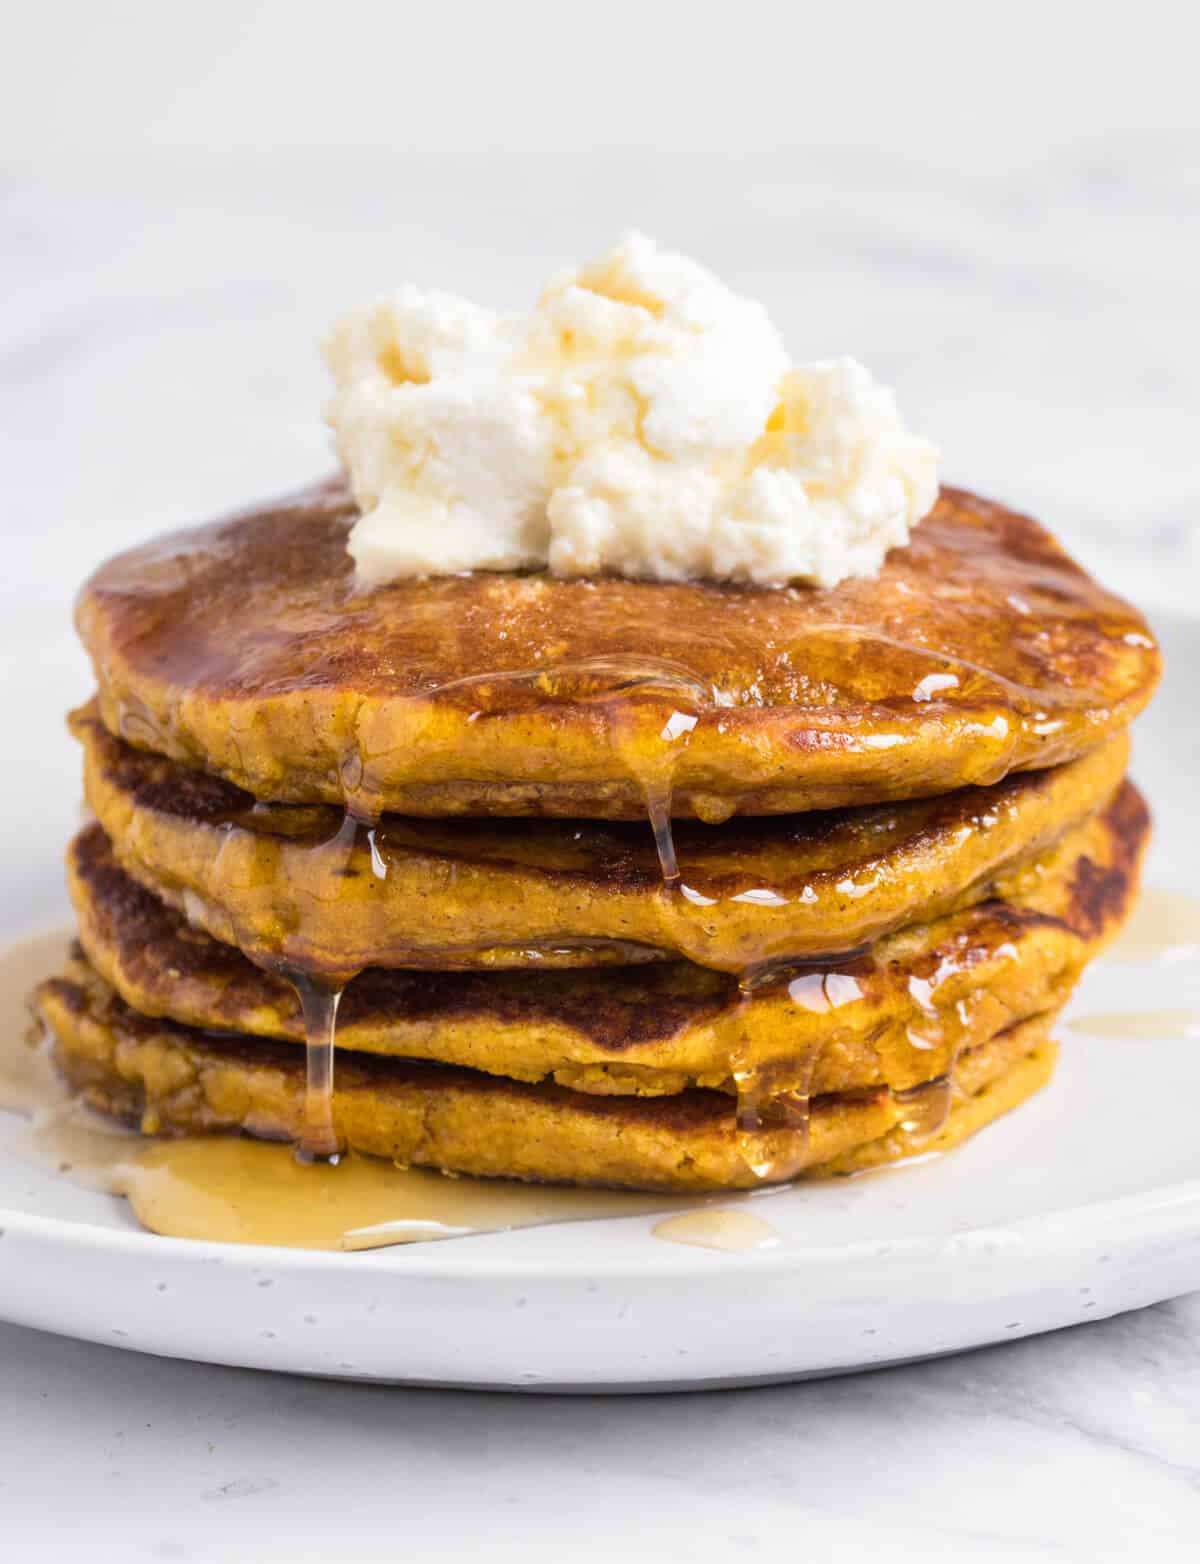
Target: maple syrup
<point x="732" y="1229"/>
<point x="232" y="1189"/>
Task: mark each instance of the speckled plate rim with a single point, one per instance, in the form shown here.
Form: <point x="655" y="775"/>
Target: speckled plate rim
<point x="1107" y="1224"/>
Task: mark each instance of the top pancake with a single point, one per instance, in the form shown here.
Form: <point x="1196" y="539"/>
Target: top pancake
<point x="244" y="648"/>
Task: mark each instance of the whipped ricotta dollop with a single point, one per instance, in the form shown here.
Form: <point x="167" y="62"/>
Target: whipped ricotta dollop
<point x="642" y="420"/>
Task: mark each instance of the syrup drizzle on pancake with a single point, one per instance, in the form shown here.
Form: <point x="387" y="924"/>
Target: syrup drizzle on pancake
<point x="941" y="1029"/>
<point x="482" y="894"/>
<point x="231" y="1189"/>
<point x="641" y="713"/>
<point x="636" y="701"/>
<point x="648" y="714"/>
<point x="647" y="707"/>
<point x="777" y="1095"/>
<point x="307" y="688"/>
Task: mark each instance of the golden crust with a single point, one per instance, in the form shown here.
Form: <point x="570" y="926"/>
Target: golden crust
<point x="894" y="1017"/>
<point x="178" y="1081"/>
<point x="242" y="648"/>
<point x="286" y="887"/>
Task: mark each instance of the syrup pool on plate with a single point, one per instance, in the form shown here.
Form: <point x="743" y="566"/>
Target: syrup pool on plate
<point x="231" y="1189"/>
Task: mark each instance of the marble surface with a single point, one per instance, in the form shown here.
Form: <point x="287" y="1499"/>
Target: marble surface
<point x="1003" y="222"/>
<point x="1075" y="1446"/>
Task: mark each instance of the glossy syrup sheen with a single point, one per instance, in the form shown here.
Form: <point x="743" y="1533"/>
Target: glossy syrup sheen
<point x="981" y="626"/>
<point x="769" y="1096"/>
<point x="241" y="1191"/>
<point x="230" y="1189"/>
<point x="776" y="1097"/>
<point x="244" y="649"/>
<point x="736" y="1230"/>
<point x="320" y="892"/>
<point x="271" y="606"/>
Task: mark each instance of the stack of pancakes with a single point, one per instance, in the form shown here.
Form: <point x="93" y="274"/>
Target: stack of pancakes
<point x="654" y="885"/>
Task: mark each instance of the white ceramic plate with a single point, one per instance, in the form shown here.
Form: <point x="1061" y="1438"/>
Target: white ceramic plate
<point x="1084" y="1203"/>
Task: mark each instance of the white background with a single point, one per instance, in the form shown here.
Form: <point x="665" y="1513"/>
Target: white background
<point x="998" y="209"/>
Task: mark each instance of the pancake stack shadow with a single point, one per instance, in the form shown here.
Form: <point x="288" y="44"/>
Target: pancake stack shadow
<point x="667" y="887"/>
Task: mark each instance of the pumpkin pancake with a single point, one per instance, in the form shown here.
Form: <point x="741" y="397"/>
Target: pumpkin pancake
<point x="176" y="1080"/>
<point x="243" y="649"/>
<point x="288" y="887"/>
<point x="894" y="1017"/>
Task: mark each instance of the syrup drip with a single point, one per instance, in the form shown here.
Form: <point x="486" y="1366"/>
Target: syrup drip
<point x="650" y="709"/>
<point x="650" y="714"/>
<point x="653" y="767"/>
<point x="926" y="1107"/>
<point x="231" y="1189"/>
<point x="776" y="1095"/>
<point x="658" y="809"/>
<point x="1033" y="592"/>
<point x="319" y="1005"/>
<point x="320" y="997"/>
<point x="648" y="740"/>
<point x="941" y="1030"/>
<point x="763" y="1107"/>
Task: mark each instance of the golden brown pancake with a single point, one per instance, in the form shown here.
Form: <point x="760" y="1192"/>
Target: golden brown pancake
<point x="243" y="648"/>
<point x="285" y="886"/>
<point x="894" y="1017"/>
<point x="175" y="1080"/>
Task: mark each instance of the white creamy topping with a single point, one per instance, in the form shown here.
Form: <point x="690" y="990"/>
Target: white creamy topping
<point x="643" y="420"/>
